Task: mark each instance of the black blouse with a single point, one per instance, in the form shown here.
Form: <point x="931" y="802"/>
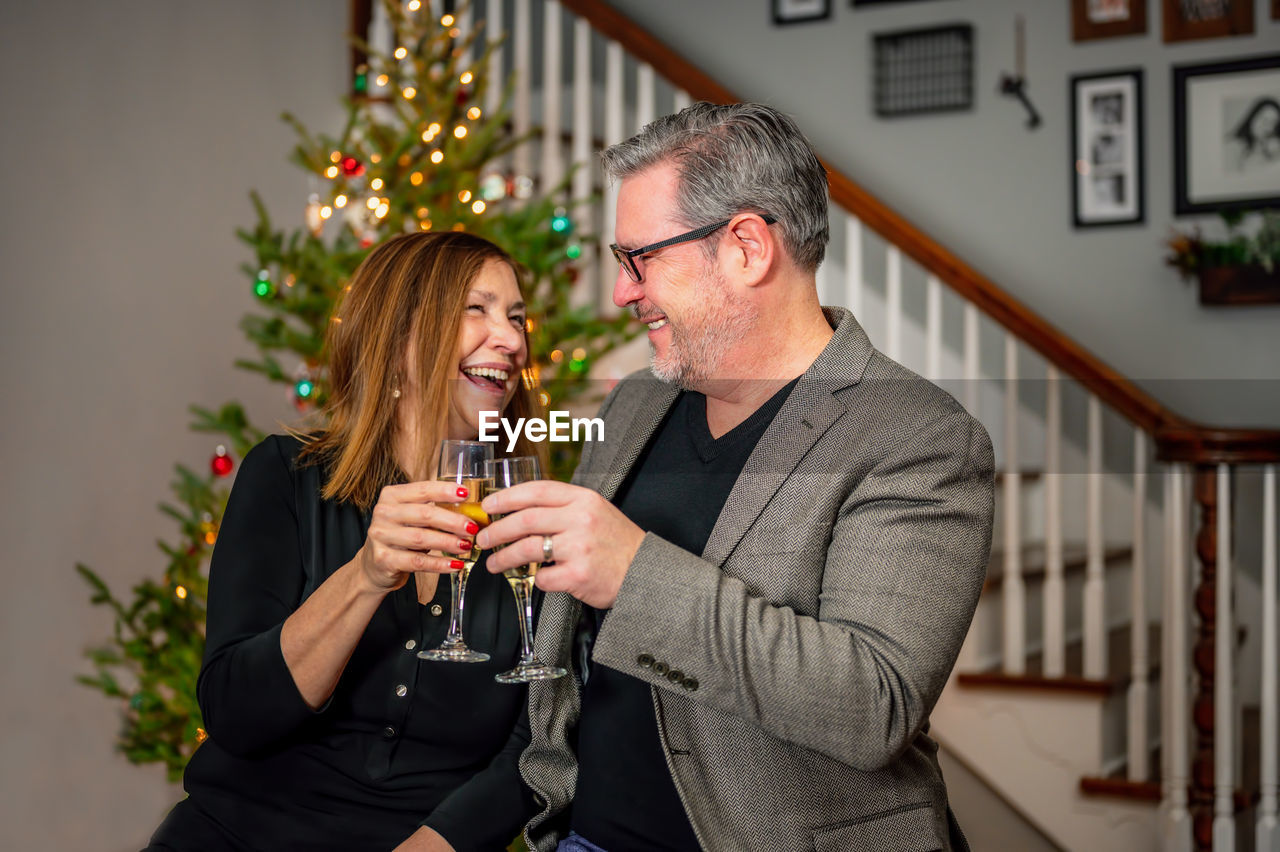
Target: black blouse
<point x="402" y="742"/>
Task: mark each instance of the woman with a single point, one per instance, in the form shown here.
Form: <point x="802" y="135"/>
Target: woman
<point x="325" y="729"/>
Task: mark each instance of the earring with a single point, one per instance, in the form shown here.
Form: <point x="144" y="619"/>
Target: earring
<point x="395" y="386"/>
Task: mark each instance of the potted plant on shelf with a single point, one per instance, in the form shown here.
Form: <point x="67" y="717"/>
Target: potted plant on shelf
<point x="1243" y="269"/>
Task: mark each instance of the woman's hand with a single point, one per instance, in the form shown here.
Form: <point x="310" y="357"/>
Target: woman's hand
<point x="407" y="524"/>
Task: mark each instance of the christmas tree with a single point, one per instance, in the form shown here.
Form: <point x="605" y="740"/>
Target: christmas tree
<point x="425" y="157"/>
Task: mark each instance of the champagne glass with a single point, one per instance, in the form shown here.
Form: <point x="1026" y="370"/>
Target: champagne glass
<point x="503" y="473"/>
<point x="462" y="462"/>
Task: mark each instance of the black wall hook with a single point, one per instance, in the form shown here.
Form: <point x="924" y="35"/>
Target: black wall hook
<point x="1016" y="87"/>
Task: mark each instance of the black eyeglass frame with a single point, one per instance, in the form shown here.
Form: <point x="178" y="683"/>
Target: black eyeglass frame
<point x="626" y="257"/>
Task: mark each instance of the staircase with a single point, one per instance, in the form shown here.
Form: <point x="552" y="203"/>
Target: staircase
<point x="1095" y="694"/>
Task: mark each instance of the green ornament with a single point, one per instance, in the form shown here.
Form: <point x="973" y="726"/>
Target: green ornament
<point x="361" y="83"/>
<point x="574" y="251"/>
<point x="577" y="365"/>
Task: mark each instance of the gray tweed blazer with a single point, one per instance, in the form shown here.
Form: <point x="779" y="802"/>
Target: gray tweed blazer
<point x="794" y="663"/>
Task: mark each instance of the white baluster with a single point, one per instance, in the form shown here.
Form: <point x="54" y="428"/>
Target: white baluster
<point x="1174" y="723"/>
<point x="1224" y="711"/>
<point x="682" y="100"/>
<point x="646" y="87"/>
<point x="552" y="86"/>
<point x="464" y="20"/>
<point x="1055" y="588"/>
<point x="1268" y="829"/>
<point x="933" y="327"/>
<point x="497" y="83"/>
<point x="853" y="264"/>
<point x="1095" y="627"/>
<point x="613" y="133"/>
<point x="522" y="120"/>
<point x="893" y="303"/>
<point x="972" y="360"/>
<point x="585" y="164"/>
<point x="1139" y="765"/>
<point x="1012" y="588"/>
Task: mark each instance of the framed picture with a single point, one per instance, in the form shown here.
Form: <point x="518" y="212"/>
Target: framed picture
<point x="1092" y="19"/>
<point x="1226" y="135"/>
<point x="1106" y="148"/>
<point x="1191" y="19"/>
<point x="799" y="11"/>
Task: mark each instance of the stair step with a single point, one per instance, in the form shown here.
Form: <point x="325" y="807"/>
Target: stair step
<point x="1119" y="667"/>
<point x="1117" y="785"/>
<point x="1075" y="558"/>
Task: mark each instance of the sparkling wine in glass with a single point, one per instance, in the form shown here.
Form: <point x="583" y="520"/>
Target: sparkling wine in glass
<point x="463" y="463"/>
<point x="503" y="473"/>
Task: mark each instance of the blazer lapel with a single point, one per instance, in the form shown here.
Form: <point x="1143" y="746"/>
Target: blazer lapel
<point x="617" y="459"/>
<point x="807" y="414"/>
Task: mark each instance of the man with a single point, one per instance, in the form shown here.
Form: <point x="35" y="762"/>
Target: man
<point x="777" y="549"/>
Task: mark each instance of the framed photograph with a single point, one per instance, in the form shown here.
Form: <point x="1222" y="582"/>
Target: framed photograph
<point x="1226" y="135"/>
<point x="799" y="11"/>
<point x="1092" y="19"/>
<point x="1192" y="19"/>
<point x="1106" y="149"/>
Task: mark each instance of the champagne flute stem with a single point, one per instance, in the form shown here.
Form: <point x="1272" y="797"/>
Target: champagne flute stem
<point x="458" y="588"/>
<point x="524" y="607"/>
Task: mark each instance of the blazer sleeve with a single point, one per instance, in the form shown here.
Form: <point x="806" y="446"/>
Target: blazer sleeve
<point x="246" y="692"/>
<point x="900" y="582"/>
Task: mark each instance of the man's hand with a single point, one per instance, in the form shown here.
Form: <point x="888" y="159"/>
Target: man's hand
<point x="593" y="542"/>
<point x="424" y="840"/>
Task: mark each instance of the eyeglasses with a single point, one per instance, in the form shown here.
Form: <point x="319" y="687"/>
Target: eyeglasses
<point x="627" y="257"/>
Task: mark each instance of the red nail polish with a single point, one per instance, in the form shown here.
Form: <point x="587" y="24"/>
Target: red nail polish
<point x="456" y="564"/>
<point x="464" y="544"/>
<point x="462" y="492"/>
<point x="472" y="527"/>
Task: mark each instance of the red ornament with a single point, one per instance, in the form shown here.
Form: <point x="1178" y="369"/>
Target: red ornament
<point x="221" y="462"/>
<point x="351" y="167"/>
<point x="572" y="274"/>
<point x="463" y="96"/>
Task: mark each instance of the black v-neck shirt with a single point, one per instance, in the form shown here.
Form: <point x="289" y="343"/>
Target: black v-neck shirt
<point x="625" y="800"/>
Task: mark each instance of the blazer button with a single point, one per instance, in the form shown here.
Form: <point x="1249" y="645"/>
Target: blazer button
<point x="690" y="683"/>
<point x="675" y="676"/>
<point x="436" y="609"/>
<point x="645" y="660"/>
<point x="388" y="732"/>
<point x="660" y="669"/>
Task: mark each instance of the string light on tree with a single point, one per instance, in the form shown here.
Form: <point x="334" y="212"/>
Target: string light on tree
<point x="262" y="286"/>
<point x="560" y="222"/>
<point x="351" y="167"/>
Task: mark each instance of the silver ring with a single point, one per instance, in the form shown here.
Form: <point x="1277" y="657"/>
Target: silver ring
<point x="548" y="552"/>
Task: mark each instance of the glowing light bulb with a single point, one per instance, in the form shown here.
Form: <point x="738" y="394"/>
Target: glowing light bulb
<point x="331" y="172"/>
<point x="409" y="93"/>
<point x="382" y="210"/>
<point x="375" y="158"/>
<point x="459" y="131"/>
<point x="416" y="178"/>
<point x="478" y="207"/>
<point x="375" y="184"/>
<point x="556" y="356"/>
<point x="413" y="5"/>
<point x="473" y="113"/>
<point x="422" y="212"/>
<point x="425" y="224"/>
<point x="372" y="203"/>
<point x="437" y="157"/>
<point x="401" y="53"/>
<point x="340" y="202"/>
<point x="466" y="77"/>
<point x="383" y="79"/>
<point x="326" y="211"/>
<point x="181" y="592"/>
<point x="446" y="21"/>
<point x="434" y="128"/>
<point x="335" y="156"/>
<point x="464" y="196"/>
<point x="579" y="354"/>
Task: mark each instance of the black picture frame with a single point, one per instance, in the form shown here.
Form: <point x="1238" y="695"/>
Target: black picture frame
<point x="1108" y="139"/>
<point x="787" y="12"/>
<point x="1218" y="166"/>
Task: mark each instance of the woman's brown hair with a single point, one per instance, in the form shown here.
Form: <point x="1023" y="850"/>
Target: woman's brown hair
<point x="411" y="286"/>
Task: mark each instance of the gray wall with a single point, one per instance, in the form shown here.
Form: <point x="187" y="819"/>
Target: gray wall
<point x="131" y="132"/>
<point x="998" y="195"/>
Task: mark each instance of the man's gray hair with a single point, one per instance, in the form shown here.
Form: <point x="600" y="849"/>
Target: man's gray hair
<point x="732" y="159"/>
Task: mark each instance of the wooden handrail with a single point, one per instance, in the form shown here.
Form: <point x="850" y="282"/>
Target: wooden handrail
<point x="1187" y="441"/>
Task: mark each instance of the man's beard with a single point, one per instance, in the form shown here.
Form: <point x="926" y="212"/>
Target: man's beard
<point x="700" y="340"/>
